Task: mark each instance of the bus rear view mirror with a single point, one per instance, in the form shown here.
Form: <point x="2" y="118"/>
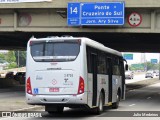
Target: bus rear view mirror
<point x="126" y="67"/>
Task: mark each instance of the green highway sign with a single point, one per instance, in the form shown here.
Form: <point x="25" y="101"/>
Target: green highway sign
<point x="138" y="66"/>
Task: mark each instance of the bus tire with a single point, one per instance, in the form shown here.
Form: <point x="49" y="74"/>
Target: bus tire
<point x="116" y="104"/>
<point x="58" y="110"/>
<point x="100" y="107"/>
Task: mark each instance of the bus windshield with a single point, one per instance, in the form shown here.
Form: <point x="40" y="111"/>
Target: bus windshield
<point x="54" y="51"/>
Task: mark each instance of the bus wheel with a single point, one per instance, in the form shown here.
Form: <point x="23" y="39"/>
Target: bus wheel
<point x="116" y="104"/>
<point x="100" y="107"/>
<point x="58" y="110"/>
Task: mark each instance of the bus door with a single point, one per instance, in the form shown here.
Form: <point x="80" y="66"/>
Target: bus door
<point x="94" y="71"/>
<point x="122" y="72"/>
<point x="109" y="69"/>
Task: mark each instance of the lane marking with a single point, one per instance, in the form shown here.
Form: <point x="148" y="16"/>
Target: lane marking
<point x="148" y="98"/>
<point x="132" y="105"/>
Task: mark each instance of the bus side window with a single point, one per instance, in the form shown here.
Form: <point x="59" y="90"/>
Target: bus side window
<point x="107" y="65"/>
<point x="102" y="64"/>
<point x="116" y="67"/>
<point x="89" y="60"/>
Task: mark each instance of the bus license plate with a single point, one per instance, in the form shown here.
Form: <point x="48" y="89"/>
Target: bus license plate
<point x="53" y="89"/>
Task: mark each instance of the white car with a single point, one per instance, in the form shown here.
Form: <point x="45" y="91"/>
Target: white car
<point x="149" y="74"/>
<point x="129" y="75"/>
<point x="157" y="72"/>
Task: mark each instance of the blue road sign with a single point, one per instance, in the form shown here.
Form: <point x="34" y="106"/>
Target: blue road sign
<point x="128" y="56"/>
<point x="102" y="13"/>
<point x="73" y="14"/>
<point x="154" y="61"/>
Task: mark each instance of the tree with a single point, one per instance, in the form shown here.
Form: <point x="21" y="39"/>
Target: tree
<point x="12" y="65"/>
<point x="2" y="56"/>
<point x="10" y="57"/>
<point x="20" y="58"/>
<point x="151" y="66"/>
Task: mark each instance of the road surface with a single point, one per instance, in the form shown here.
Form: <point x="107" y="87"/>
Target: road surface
<point x="146" y="99"/>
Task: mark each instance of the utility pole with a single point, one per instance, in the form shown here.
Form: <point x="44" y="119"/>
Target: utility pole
<point x="143" y="60"/>
<point x="18" y="59"/>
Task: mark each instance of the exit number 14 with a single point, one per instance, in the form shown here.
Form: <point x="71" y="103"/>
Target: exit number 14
<point x="73" y="10"/>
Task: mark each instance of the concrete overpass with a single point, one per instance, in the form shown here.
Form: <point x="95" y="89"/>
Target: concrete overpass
<point x="19" y="21"/>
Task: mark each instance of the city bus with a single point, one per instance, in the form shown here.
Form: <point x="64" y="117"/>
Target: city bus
<point x="73" y="72"/>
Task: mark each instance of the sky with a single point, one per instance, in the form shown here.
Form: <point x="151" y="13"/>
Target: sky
<point x="141" y="57"/>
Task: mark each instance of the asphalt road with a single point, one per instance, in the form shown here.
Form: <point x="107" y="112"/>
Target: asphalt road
<point x="146" y="99"/>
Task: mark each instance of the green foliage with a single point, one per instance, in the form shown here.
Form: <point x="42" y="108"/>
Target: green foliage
<point x="10" y="57"/>
<point x="2" y="56"/>
<point x="151" y="66"/>
<point x="14" y="58"/>
<point x="12" y="65"/>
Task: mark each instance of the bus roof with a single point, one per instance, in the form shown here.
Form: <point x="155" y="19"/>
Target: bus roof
<point x="100" y="46"/>
<point x="85" y="40"/>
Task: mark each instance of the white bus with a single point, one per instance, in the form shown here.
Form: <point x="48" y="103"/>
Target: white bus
<point x="73" y="72"/>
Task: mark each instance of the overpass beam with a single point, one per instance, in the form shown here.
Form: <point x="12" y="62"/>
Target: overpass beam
<point x="51" y="20"/>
